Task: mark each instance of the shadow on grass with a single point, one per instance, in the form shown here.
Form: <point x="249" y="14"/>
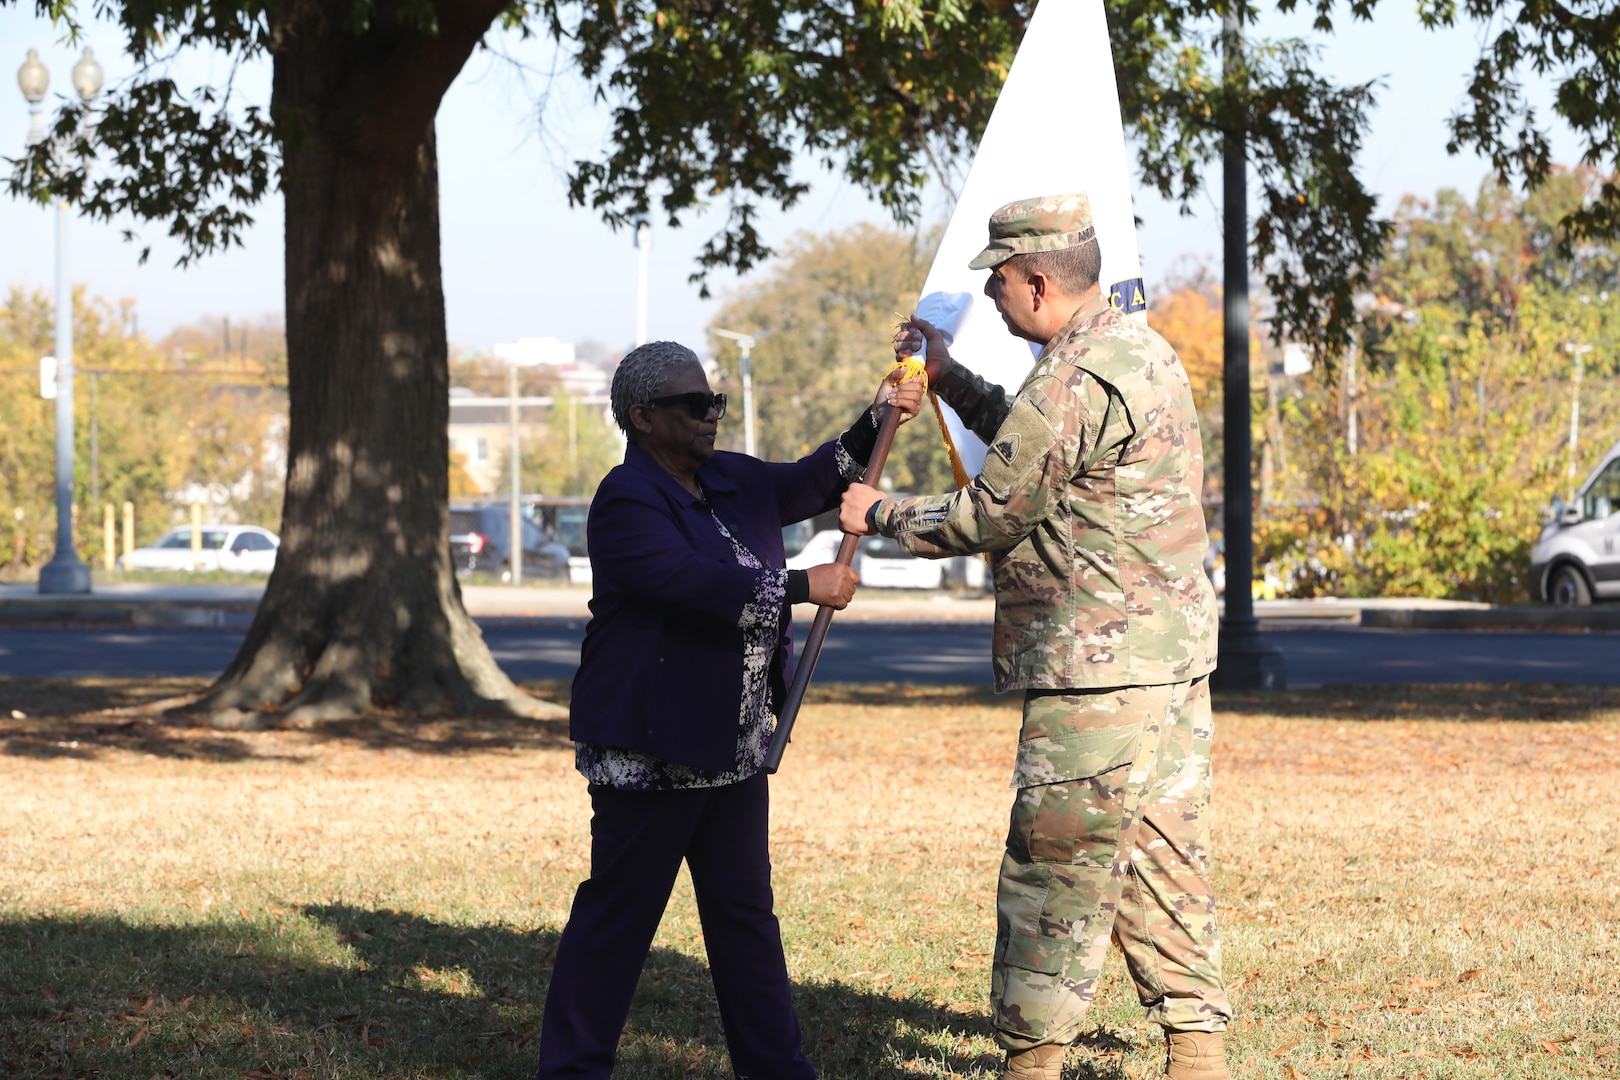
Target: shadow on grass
<point x="1515" y="702"/>
<point x="88" y="738"/>
<point x="332" y="991"/>
<point x="85" y="718"/>
<point x="56" y="699"/>
<point x="88" y="717"/>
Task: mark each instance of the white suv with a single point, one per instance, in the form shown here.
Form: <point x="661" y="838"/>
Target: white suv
<point x="1577" y="558"/>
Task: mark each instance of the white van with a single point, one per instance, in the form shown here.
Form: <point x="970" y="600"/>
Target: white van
<point x="1577" y="558"/>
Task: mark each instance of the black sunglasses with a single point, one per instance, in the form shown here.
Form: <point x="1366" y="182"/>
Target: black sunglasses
<point x="697" y="404"/>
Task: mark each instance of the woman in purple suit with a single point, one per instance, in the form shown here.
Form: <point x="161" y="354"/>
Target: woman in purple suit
<point x="685" y="659"/>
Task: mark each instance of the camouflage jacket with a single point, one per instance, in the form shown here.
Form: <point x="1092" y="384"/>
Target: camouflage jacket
<point x="1088" y="503"/>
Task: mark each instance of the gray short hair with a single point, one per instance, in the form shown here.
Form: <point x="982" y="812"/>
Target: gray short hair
<point x="642" y="373"/>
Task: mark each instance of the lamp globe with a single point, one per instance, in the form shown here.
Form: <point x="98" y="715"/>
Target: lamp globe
<point x="87" y="75"/>
<point x="33" y="78"/>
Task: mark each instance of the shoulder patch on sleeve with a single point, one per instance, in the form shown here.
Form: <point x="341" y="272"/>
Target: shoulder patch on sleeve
<point x="1007" y="446"/>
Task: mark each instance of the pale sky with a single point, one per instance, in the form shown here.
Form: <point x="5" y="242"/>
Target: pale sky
<point x="519" y="262"/>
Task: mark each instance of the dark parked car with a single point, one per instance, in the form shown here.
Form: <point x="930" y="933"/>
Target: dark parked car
<point x="561" y="518"/>
<point x="479" y="542"/>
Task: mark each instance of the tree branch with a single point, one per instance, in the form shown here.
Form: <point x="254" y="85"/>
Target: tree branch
<point x="384" y="112"/>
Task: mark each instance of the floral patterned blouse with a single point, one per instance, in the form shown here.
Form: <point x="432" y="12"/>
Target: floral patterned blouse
<point x="631" y="770"/>
<point x="760" y="622"/>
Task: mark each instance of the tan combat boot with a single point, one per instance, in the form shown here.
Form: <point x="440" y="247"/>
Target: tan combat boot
<point x="1196" y="1055"/>
<point x="1041" y="1063"/>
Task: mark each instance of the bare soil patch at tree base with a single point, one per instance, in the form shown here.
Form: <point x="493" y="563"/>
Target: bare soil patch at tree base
<point x="1414" y="882"/>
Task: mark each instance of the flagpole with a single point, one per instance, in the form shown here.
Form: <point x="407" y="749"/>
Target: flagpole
<point x="824" y="614"/>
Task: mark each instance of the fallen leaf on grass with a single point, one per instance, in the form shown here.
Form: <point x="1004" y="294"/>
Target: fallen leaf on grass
<point x="1550" y="1046"/>
<point x="137" y="1037"/>
<point x="1606" y="1051"/>
<point x="527" y="1038"/>
<point x="1285" y="1048"/>
<point x="1425" y="984"/>
<point x="1471" y="973"/>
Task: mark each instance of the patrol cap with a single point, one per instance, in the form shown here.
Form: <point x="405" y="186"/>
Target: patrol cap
<point x="1044" y="223"/>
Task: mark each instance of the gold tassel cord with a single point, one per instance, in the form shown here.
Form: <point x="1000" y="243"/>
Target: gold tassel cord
<point x="958" y="472"/>
<point x="917" y="368"/>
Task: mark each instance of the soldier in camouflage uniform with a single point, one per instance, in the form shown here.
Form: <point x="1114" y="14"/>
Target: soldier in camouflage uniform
<point x="1088" y="505"/>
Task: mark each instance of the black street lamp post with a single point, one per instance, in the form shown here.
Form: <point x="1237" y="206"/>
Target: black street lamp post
<point x="1246" y="661"/>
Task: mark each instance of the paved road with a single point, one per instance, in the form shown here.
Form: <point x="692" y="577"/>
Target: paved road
<point x="884" y="652"/>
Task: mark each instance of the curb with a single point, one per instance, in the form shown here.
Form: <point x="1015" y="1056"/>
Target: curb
<point x="143" y="613"/>
<point x="1518" y="617"/>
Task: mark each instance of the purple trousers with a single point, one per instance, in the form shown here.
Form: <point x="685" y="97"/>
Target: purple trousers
<point x="638" y="840"/>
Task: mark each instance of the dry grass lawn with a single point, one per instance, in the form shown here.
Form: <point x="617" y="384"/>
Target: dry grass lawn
<point x="1415" y="883"/>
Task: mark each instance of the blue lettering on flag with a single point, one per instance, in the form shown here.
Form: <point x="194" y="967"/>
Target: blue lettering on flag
<point x="1128" y="296"/>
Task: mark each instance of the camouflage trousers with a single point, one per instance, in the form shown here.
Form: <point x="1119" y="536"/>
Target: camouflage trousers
<point x="1109" y="839"/>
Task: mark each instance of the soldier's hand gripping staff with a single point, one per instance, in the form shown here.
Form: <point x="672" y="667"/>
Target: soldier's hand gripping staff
<point x="1088" y="504"/>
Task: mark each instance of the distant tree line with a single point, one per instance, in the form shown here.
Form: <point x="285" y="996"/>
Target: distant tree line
<point x="1461" y="392"/>
<point x="158" y="424"/>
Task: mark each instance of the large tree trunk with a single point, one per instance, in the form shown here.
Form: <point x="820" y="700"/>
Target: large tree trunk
<point x="363" y="610"/>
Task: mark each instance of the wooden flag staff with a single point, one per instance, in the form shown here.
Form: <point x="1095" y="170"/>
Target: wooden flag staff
<point x="824" y="614"/>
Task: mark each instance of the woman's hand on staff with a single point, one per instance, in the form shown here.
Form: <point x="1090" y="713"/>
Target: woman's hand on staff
<point x="894" y="394"/>
<point x="910" y="339"/>
<point x="832" y="585"/>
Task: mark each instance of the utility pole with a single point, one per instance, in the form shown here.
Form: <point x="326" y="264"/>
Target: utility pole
<point x="1246" y="662"/>
<point x="573" y="446"/>
<point x="1578" y="351"/>
<point x="643" y="250"/>
<point x="514" y="530"/>
<point x="745" y="343"/>
<point x="95" y="444"/>
<point x="1350" y="434"/>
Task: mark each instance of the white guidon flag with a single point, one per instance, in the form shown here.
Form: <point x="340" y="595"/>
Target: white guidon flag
<point x="1055" y="129"/>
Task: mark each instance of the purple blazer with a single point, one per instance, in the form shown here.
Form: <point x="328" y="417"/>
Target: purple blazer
<point x="661" y="667"/>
